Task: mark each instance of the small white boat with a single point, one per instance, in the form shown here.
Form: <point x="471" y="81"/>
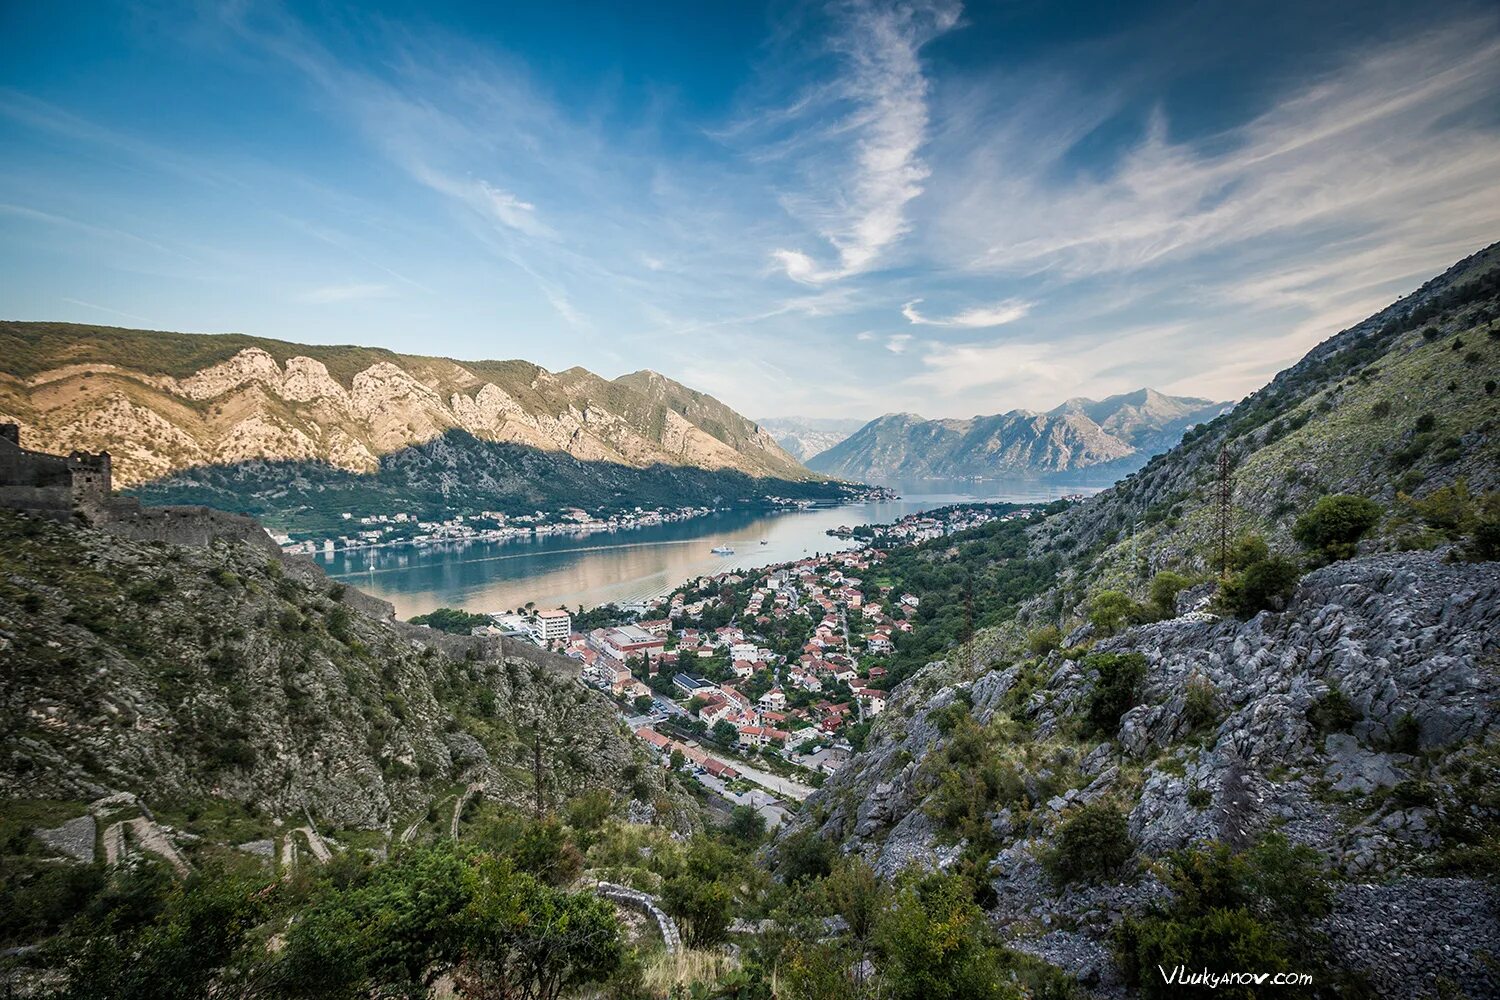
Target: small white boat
<point x="723" y="550"/>
<point x="764" y="542"/>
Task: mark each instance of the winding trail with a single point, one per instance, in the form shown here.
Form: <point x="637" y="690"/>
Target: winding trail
<point x="458" y="807"/>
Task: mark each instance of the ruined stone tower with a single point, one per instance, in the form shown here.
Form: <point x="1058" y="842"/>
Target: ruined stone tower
<point x="51" y="484"/>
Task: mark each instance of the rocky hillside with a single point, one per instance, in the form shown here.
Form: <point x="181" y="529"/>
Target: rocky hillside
<point x="1328" y="709"/>
<point x="239" y="695"/>
<point x="164" y="402"/>
<point x="804" y="437"/>
<point x="1108" y="436"/>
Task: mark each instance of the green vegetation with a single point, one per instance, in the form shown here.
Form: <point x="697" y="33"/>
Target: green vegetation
<point x="1117" y="681"/>
<point x="970" y="580"/>
<point x="1452" y="514"/>
<point x="1110" y="611"/>
<point x="1165" y="587"/>
<point x="452" y="620"/>
<point x="1260" y="580"/>
<point x="1228" y="911"/>
<point x="1335" y="524"/>
<point x="923" y="936"/>
<point x="1332" y="713"/>
<point x="1091" y="845"/>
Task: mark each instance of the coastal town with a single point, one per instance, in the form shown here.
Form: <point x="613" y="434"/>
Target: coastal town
<point x="383" y="530"/>
<point x="758" y="684"/>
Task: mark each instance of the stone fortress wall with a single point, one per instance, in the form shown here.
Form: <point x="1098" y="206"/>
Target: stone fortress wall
<point x="53" y="485"/>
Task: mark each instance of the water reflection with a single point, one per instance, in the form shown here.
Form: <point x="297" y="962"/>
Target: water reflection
<point x="619" y="566"/>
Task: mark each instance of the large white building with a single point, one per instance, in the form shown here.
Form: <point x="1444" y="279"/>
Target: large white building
<point x="551" y="626"/>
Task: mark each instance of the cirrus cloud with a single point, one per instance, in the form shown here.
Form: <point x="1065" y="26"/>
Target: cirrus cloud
<point x="975" y="318"/>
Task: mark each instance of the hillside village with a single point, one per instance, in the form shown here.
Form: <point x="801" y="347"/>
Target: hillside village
<point x="779" y="669"/>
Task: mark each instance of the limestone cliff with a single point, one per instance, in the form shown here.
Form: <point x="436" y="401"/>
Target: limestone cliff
<point x="163" y="402"/>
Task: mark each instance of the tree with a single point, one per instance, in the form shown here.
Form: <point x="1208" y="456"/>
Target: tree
<point x="642" y="703"/>
<point x="677" y="759"/>
<point x="1261" y="586"/>
<point x="804" y="856"/>
<point x="933" y="944"/>
<point x="1092" y="844"/>
<point x="699" y="896"/>
<point x="521" y="940"/>
<point x="205" y="925"/>
<point x="724" y="733"/>
<point x="1110" y="610"/>
<point x="1165" y="587"/>
<point x="746" y="826"/>
<point x="1117" y="680"/>
<point x="1333" y="527"/>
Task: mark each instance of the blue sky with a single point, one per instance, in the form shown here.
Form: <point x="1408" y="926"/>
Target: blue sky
<point x="822" y="209"/>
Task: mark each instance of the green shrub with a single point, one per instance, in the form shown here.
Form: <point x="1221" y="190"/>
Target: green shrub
<point x="1381" y="409"/>
<point x="1200" y="704"/>
<point x="1333" y="713"/>
<point x="1165" y="587"/>
<point x="1227" y="912"/>
<point x="1265" y="585"/>
<point x="1044" y="640"/>
<point x="1110" y="611"/>
<point x="1199" y="798"/>
<point x="1335" y="524"/>
<point x="1406" y="735"/>
<point x="1117" y="681"/>
<point x="1092" y="844"/>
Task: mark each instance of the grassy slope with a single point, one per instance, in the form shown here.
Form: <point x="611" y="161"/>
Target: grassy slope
<point x="1319" y="428"/>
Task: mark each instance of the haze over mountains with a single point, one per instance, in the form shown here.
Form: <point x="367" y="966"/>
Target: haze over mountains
<point x="1113" y="435"/>
<point x="804" y="437"/>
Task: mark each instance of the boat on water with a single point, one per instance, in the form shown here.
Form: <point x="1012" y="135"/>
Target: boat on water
<point x="723" y="550"/>
<point x="764" y="542"/>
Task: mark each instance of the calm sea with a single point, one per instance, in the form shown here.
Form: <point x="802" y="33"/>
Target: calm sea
<point x="631" y="564"/>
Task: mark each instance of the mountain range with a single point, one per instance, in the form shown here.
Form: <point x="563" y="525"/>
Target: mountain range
<point x="1114" y="435"/>
<point x="804" y="437"/>
<point x="163" y="402"/>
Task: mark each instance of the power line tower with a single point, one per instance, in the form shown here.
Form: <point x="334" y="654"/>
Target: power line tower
<point x="1225" y="498"/>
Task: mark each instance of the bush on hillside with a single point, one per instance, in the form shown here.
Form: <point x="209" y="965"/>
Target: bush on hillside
<point x="1335" y="524"/>
<point x="1092" y="844"/>
<point x="1165" y="587"/>
<point x="1110" y="611"/>
<point x="1117" y="682"/>
<point x="1044" y="640"/>
<point x="1262" y="586"/>
<point x="1333" y="713"/>
<point x="1227" y="912"/>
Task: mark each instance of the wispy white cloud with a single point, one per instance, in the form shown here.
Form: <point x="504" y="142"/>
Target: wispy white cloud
<point x="867" y="166"/>
<point x="134" y="318"/>
<point x="329" y="294"/>
<point x="1393" y="132"/>
<point x="897" y="343"/>
<point x="974" y="318"/>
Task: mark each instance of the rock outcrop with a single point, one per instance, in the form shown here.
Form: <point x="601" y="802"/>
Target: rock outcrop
<point x="162" y="403"/>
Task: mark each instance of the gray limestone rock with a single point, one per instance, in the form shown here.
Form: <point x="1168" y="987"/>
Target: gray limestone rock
<point x="75" y="838"/>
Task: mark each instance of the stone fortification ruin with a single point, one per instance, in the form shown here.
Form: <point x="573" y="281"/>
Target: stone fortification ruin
<point x="53" y="485"/>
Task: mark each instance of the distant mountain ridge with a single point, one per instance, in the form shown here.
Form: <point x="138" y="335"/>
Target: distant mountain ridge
<point x="164" y="402"/>
<point x="1120" y="433"/>
<point x="804" y="437"/>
